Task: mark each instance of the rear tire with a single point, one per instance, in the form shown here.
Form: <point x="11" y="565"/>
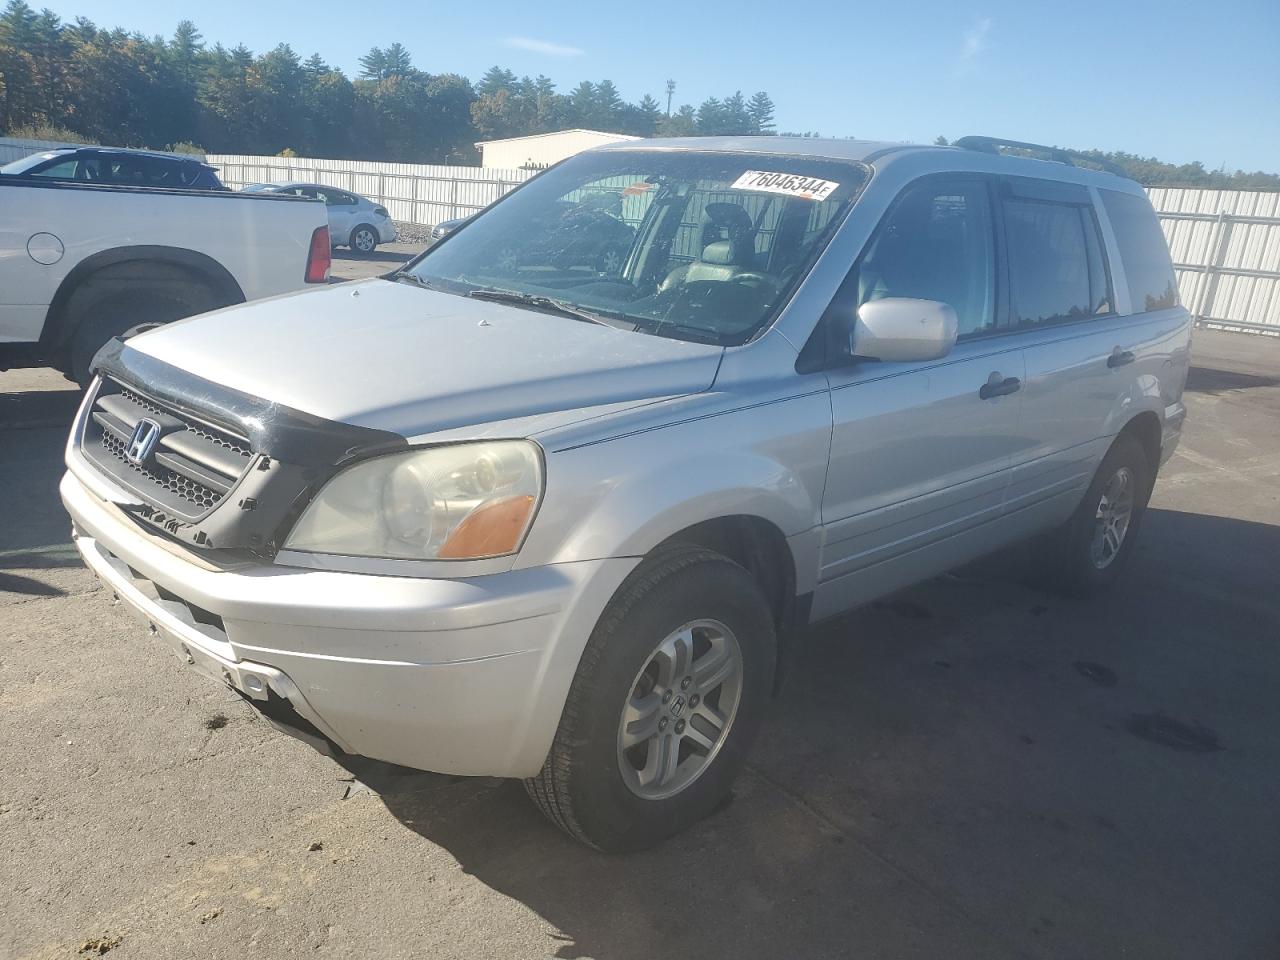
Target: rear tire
<point x="1091" y="551"/>
<point x="364" y="240"/>
<point x="616" y="797"/>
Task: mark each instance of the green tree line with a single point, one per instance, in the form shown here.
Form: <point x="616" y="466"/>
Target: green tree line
<point x="80" y="81"/>
<point x="77" y="81"/>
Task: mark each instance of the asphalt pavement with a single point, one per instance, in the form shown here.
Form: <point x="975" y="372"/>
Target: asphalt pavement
<point x="971" y="768"/>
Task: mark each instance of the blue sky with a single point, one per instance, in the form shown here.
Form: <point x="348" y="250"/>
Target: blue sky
<point x="1168" y="79"/>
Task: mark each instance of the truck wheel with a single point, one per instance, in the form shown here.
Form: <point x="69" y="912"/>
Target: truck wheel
<point x="117" y="315"/>
<point x="666" y="702"/>
<point x="1091" y="551"/>
<point x="364" y="239"/>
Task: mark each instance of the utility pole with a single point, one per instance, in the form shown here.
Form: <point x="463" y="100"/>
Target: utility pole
<point x="671" y="89"/>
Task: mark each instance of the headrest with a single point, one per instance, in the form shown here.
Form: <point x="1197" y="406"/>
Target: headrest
<point x="721" y="252"/>
<point x="730" y="217"/>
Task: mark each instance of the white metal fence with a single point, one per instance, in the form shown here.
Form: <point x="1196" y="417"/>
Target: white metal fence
<point x="15" y="148"/>
<point x="412" y="192"/>
<point x="1225" y="243"/>
<point x="1226" y="250"/>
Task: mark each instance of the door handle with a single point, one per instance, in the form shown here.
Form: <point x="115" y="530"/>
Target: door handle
<point x="1119" y="358"/>
<point x="999" y="388"/>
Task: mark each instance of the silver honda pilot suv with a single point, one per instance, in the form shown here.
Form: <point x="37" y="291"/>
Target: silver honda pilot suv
<point x="521" y="510"/>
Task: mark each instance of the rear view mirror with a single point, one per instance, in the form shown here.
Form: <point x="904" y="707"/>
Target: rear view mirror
<point x="901" y="329"/>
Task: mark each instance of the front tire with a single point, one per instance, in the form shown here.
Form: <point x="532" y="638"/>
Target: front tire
<point x="666" y="702"/>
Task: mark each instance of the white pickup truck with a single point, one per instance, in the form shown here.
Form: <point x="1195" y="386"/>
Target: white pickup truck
<point x="82" y="263"/>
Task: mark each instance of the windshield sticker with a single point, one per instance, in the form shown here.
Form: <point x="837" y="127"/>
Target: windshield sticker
<point x="637" y="188"/>
<point x="787" y="184"/>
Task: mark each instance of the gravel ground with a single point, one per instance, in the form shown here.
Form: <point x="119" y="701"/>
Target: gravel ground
<point x="971" y="768"/>
<point x="412" y="232"/>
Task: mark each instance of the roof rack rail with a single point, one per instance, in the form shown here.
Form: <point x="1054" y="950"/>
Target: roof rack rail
<point x="1059" y="154"/>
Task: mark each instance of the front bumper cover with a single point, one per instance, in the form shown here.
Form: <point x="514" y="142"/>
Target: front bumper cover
<point x="463" y="676"/>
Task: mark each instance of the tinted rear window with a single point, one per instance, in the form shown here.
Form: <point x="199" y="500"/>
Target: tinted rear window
<point x="1143" y="250"/>
<point x="1055" y="263"/>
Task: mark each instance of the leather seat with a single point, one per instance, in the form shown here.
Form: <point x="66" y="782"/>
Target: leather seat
<point x="728" y="247"/>
<point x="719" y="261"/>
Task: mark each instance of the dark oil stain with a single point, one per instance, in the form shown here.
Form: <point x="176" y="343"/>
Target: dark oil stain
<point x="216" y="722"/>
<point x="945" y="664"/>
<point x="1039" y="610"/>
<point x="1027" y="740"/>
<point x="1102" y="676"/>
<point x="1183" y="737"/>
<point x="1103" y="822"/>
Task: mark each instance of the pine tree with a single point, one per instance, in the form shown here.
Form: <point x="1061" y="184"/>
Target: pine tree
<point x="760" y="109"/>
<point x="373" y="65"/>
<point x="398" y="63"/>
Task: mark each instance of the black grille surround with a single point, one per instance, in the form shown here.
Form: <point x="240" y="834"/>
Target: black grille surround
<point x="226" y="471"/>
<point x="193" y="466"/>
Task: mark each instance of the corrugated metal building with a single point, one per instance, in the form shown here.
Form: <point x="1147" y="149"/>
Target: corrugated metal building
<point x="542" y="149"/>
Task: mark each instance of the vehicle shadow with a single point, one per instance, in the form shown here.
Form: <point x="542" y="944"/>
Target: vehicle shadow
<point x="379" y="256"/>
<point x="34" y="529"/>
<point x="969" y="768"/>
<point x="1210" y="380"/>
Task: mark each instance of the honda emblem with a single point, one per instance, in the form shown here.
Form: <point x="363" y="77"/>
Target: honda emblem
<point x="146" y="434"/>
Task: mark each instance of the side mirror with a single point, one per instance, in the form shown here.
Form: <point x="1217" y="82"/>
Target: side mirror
<point x="900" y="329"/>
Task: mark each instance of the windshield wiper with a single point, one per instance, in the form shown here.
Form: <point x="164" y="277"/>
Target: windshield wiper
<point x="539" y="302"/>
<point x="413" y="278"/>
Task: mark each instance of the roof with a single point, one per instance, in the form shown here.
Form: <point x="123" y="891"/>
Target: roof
<point x="882" y="153"/>
<point x="559" y="133"/>
<point x="158" y="154"/>
<point x="290" y="184"/>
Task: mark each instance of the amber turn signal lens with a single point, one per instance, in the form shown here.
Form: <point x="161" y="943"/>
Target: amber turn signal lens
<point x="490" y="530"/>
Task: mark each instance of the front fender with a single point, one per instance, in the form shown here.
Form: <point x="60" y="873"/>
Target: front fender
<point x="622" y="497"/>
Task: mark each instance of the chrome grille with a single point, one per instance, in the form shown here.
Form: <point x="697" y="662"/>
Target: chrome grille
<point x="193" y="466"/>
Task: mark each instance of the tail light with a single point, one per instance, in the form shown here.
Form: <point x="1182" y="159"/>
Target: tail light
<point x="381" y="211"/>
<point x="319" y="257"/>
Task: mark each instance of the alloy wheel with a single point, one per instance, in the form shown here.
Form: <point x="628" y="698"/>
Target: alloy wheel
<point x="680" y="709"/>
<point x="1112" y="519"/>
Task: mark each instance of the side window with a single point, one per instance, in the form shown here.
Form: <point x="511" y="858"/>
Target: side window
<point x="1144" y="251"/>
<point x="66" y="170"/>
<point x="1056" y="270"/>
<point x="936" y="243"/>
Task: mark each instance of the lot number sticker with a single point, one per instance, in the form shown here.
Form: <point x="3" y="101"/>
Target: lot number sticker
<point x="787" y="184"/>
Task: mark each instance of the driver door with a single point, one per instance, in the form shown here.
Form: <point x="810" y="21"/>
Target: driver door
<point x="921" y="451"/>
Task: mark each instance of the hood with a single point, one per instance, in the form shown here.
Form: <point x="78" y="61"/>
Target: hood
<point x="395" y="357"/>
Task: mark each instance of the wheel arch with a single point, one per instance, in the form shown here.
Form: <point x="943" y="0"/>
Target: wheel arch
<point x="200" y="267"/>
<point x="1146" y="428"/>
<point x="760" y="547"/>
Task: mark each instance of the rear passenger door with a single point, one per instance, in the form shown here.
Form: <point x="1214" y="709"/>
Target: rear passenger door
<point x="1084" y="356"/>
<point x="920" y="451"/>
<point x="342" y="214"/>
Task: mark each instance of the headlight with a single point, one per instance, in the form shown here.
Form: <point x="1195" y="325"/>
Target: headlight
<point x="460" y="502"/>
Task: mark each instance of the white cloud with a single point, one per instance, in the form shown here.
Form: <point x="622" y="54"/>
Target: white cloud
<point x="542" y="46"/>
<point x="973" y="41"/>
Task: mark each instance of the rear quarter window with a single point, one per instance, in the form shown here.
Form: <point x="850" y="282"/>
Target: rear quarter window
<point x="1144" y="251"/>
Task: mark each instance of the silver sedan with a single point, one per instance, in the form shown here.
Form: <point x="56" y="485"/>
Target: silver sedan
<point x="354" y="221"/>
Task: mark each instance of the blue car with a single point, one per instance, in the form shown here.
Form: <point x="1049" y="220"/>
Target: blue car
<point x="107" y="165"/>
